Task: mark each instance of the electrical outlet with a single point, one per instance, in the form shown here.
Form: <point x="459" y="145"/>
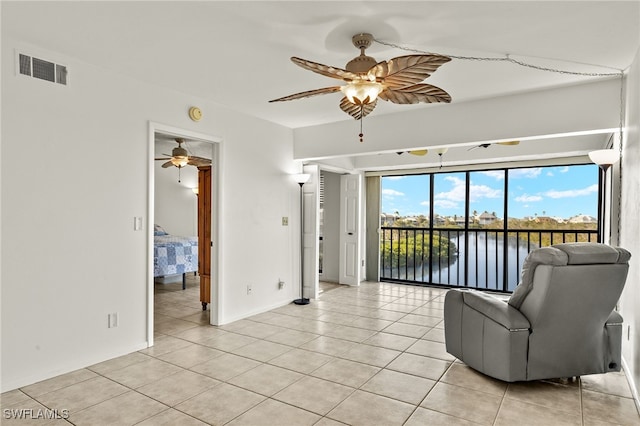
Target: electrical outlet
<point x="248" y="288"/>
<point x="280" y="284"/>
<point x="112" y="320"/>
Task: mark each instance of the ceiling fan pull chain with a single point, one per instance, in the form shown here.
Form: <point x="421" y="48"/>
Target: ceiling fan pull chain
<point x="361" y="118"/>
<point x="179" y="168"/>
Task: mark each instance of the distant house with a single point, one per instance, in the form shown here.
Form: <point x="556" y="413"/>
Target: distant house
<point x="487" y="218"/>
<point x="549" y="219"/>
<point x="582" y="218"/>
<point x="387" y="219"/>
<point x="439" y="220"/>
<point x="459" y="220"/>
<point x="411" y="220"/>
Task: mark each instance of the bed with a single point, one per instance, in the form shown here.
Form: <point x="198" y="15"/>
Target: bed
<point x="173" y="254"/>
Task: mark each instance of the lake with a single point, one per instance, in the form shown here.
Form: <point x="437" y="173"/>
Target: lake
<point x="485" y="263"/>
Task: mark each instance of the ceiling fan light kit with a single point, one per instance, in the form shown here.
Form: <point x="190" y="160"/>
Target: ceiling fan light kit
<point x="398" y="80"/>
<point x="361" y="92"/>
<point x="179" y="161"/>
<point x="180" y="158"/>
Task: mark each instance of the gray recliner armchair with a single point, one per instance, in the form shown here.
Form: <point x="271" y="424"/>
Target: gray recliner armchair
<point x="559" y="322"/>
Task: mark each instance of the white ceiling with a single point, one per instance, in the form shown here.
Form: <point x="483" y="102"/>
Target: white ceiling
<point x="237" y="53"/>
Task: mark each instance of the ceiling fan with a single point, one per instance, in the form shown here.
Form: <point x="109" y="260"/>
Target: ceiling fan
<point x="180" y="157"/>
<point x="418" y="152"/>
<point x="487" y="145"/>
<point x="397" y="80"/>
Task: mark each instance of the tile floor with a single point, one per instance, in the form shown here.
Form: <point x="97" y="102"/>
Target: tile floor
<point x="372" y="355"/>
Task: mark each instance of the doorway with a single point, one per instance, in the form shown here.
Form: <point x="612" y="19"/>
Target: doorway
<point x="329" y="217"/>
<point x="202" y="149"/>
<point x="339" y="227"/>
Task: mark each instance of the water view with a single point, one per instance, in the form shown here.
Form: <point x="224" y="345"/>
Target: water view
<point x="485" y="264"/>
<point x="446" y="228"/>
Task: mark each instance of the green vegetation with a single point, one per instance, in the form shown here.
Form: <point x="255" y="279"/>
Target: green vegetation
<point x="409" y="247"/>
<point x="412" y="247"/>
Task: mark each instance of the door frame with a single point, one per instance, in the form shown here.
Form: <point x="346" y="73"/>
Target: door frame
<point x="216" y="164"/>
<point x="310" y="232"/>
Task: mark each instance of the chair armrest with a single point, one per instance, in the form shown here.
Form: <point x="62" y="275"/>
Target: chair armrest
<point x="614" y="319"/>
<point x="497" y="310"/>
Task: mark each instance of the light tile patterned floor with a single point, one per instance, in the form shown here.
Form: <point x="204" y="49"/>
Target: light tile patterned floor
<point x="372" y="355"/>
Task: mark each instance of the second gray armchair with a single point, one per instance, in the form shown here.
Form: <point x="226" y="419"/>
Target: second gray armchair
<point x="559" y="322"/>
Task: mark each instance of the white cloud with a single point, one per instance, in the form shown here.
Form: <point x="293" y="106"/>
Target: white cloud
<point x="458" y="193"/>
<point x="565" y="169"/>
<point x="571" y="193"/>
<point x="526" y="198"/>
<point x="496" y="174"/>
<point x="394" y="177"/>
<point x="445" y="204"/>
<point x="424" y="203"/>
<point x="392" y="193"/>
<point x="525" y="173"/>
<point x="483" y="191"/>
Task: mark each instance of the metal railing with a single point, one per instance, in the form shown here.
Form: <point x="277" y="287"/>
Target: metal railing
<point x="488" y="259"/>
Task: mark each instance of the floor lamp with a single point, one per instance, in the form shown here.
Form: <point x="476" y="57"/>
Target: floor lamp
<point x="604" y="158"/>
<point x="301" y="179"/>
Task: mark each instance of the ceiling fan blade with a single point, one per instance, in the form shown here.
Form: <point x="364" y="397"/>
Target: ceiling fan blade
<point x="325" y="70"/>
<point x="357" y="111"/>
<point x="414" y="94"/>
<point x="407" y="70"/>
<point x="308" y="94"/>
<point x="167" y="164"/>
<point x="482" y="145"/>
<point x="509" y="143"/>
<point x="161" y="159"/>
<point x="198" y="161"/>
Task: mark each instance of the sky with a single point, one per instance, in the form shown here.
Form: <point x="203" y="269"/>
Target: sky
<point x="562" y="191"/>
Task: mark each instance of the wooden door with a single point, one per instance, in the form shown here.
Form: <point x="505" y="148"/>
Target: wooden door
<point x="204" y="234"/>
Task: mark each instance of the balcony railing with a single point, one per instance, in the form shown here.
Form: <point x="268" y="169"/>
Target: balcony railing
<point x="488" y="259"/>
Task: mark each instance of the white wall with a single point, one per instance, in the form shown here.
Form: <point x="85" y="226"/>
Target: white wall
<point x="176" y="206"/>
<point x="630" y="227"/>
<point x="69" y="252"/>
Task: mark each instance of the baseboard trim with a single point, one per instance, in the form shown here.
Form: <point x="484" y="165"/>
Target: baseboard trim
<point x="262" y="310"/>
<point x="632" y="384"/>
<point x="16" y="383"/>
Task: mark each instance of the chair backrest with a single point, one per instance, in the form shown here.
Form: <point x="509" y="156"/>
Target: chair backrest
<point x="567" y="292"/>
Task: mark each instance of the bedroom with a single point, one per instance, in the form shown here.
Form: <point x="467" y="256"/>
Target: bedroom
<point x="176" y="256"/>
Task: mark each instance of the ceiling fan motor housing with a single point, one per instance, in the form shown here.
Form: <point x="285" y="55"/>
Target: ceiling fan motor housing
<point x="179" y="152"/>
<point x="361" y="64"/>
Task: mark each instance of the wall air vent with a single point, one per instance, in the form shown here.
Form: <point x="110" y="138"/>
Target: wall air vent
<point x="42" y="69"/>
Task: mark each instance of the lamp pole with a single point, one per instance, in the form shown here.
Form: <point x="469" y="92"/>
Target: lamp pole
<point x="301" y="179"/>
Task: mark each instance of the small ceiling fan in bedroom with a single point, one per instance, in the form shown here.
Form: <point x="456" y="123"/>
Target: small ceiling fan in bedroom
<point x="180" y="157"/>
<point x="397" y="80"/>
